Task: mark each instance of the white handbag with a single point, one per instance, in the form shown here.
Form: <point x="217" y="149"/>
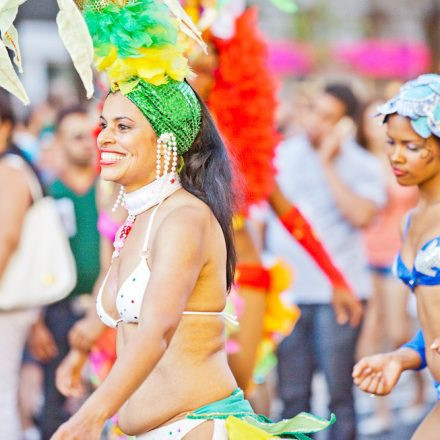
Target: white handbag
<point x="42" y="269"/>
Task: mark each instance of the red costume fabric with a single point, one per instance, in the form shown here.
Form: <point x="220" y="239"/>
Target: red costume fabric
<point x="243" y="101"/>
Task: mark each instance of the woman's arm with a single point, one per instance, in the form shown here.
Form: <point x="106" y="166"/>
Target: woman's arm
<point x="178" y="256"/>
<point x="297" y="225"/>
<point x="379" y="374"/>
<point x="346" y="305"/>
<point x="15" y="199"/>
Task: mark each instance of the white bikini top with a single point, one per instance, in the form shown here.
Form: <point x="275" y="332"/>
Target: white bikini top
<point x="131" y="293"/>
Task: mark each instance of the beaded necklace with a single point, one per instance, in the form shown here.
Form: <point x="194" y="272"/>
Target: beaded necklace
<point x="141" y="200"/>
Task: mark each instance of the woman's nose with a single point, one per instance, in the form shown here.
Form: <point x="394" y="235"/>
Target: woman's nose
<point x="105" y="137"/>
<point x="397" y="154"/>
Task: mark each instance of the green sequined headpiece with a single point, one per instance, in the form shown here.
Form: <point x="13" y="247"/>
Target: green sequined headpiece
<point x="170" y="108"/>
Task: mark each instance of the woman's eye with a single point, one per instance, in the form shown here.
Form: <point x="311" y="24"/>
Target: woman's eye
<point x="413" y="147"/>
<point x="123" y="127"/>
<point x="102" y="125"/>
<point x="390" y="142"/>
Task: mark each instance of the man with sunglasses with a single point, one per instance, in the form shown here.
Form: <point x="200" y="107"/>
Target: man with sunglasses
<point x="75" y="192"/>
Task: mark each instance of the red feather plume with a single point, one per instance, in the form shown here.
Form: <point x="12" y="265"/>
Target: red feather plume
<point x="243" y="101"/>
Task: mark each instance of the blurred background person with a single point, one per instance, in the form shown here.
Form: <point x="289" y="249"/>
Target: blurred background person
<point x="387" y="323"/>
<point x="75" y="192"/>
<point x="339" y="188"/>
<point x="15" y="200"/>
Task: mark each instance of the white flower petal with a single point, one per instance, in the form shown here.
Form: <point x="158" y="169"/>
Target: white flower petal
<point x="8" y="78"/>
<point x="10" y="40"/>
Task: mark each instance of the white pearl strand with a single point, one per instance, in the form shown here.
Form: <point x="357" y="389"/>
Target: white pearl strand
<point x="167" y="146"/>
<point x="119" y="199"/>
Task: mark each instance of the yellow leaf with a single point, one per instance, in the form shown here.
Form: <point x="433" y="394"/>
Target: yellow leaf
<point x="8" y="78"/>
<point x="240" y="430"/>
<point x="77" y="40"/>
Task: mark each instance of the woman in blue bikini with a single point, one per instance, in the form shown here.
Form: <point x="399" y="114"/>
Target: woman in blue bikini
<point x="413" y="129"/>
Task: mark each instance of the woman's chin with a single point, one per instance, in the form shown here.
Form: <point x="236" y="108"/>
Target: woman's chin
<point x="406" y="181"/>
<point x="111" y="173"/>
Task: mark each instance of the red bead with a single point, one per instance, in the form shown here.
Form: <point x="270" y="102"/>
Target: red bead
<point x="173" y="180"/>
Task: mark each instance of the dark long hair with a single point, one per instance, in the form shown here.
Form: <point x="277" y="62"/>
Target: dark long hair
<point x="207" y="174"/>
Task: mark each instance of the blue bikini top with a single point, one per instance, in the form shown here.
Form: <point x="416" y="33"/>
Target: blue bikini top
<point x="426" y="269"/>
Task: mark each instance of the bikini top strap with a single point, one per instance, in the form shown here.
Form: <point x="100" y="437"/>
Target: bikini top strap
<point x="149" y="228"/>
<point x="407" y="224"/>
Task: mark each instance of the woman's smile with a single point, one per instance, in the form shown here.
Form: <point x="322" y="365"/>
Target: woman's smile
<point x="108" y="158"/>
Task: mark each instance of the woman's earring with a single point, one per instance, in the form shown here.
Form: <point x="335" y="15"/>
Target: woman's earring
<point x="119" y="199"/>
<point x="166" y="146"/>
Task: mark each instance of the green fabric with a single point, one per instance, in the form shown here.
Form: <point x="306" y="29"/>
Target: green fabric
<point x="85" y="243"/>
<point x="236" y="406"/>
<point x="170" y="108"/>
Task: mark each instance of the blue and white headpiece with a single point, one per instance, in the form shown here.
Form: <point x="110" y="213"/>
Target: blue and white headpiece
<point x="418" y="100"/>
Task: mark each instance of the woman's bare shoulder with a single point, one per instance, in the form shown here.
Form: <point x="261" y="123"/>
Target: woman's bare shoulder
<point x="186" y="205"/>
<point x="13" y="178"/>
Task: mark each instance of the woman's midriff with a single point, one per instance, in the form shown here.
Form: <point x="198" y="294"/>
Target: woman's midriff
<point x="192" y="373"/>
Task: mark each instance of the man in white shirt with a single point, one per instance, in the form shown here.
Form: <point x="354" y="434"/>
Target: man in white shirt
<point x="339" y="188"/>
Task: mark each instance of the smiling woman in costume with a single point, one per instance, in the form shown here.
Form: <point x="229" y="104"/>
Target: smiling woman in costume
<point x="174" y="259"/>
<point x="413" y="129"/>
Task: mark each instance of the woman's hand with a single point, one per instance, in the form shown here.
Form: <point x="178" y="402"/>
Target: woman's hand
<point x="86" y="332"/>
<point x="378" y="374"/>
<point x="80" y="426"/>
<point x="68" y="375"/>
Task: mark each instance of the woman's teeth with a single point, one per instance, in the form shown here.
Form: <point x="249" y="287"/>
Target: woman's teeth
<point x="111" y="157"/>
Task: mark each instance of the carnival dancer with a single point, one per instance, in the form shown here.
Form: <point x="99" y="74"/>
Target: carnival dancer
<point x="236" y="83"/>
<point x="251" y="139"/>
<point x="174" y="259"/>
<point x="386" y="324"/>
<point x="413" y="130"/>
